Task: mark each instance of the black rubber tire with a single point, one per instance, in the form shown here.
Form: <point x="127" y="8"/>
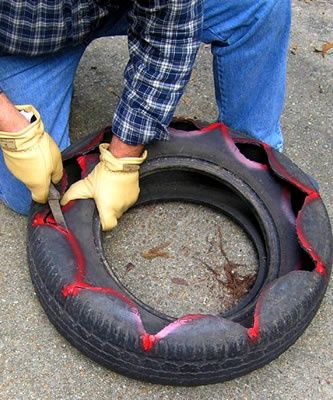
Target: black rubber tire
<point x="273" y="200"/>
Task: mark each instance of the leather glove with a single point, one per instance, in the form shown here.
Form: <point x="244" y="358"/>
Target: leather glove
<point x="113" y="184"/>
<point x="32" y="156"/>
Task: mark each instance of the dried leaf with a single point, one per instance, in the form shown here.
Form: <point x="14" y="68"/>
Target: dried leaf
<point x="157" y="251"/>
<point x="129" y="267"/>
<point x="324" y="49"/>
<point x="223" y="252"/>
<point x="194" y="75"/>
<point x="327" y="47"/>
<point x="179" y="281"/>
<point x="237" y="285"/>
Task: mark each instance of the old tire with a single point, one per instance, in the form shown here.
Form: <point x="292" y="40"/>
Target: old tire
<point x="272" y="199"/>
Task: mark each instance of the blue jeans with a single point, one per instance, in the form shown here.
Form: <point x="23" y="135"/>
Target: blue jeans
<point x="249" y="40"/>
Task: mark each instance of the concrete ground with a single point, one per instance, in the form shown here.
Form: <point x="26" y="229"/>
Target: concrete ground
<point x="37" y="363"/>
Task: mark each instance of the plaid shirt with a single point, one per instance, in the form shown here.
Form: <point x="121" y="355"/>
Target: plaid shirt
<point x="163" y="39"/>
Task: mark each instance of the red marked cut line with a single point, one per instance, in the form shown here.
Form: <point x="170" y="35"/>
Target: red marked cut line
<point x="68" y="206"/>
<point x="83" y="162"/>
<point x="273" y="161"/>
<point x="211" y="127"/>
<point x="39" y="218"/>
<point x="43" y="219"/>
<point x="254" y="331"/>
<point x="47" y="220"/>
<point x="311" y="196"/>
<point x="320" y="266"/>
<point x="224" y="129"/>
<point x="73" y="288"/>
<point x="83" y="165"/>
<point x="197" y="132"/>
<point x="148" y="341"/>
<point x="235" y="150"/>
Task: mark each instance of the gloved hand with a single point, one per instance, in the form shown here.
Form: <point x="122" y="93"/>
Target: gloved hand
<point x="32" y="156"/>
<point x="113" y="183"/>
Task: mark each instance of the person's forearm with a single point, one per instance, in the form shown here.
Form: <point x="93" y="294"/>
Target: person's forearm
<point x="11" y="120"/>
<point x="163" y="38"/>
<point x="120" y="149"/>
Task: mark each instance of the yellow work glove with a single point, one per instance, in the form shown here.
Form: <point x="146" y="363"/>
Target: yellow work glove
<point x="113" y="184"/>
<point x="32" y="156"/>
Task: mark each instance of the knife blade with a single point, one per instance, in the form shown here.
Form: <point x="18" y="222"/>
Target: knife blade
<point x="54" y="203"/>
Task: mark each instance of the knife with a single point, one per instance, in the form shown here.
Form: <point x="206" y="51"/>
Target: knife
<point x="54" y="203"/>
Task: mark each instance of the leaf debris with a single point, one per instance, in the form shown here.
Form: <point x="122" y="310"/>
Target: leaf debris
<point x="237" y="285"/>
<point x="129" y="267"/>
<point x="157" y="251"/>
<point x="325" y="49"/>
<point x="179" y="281"/>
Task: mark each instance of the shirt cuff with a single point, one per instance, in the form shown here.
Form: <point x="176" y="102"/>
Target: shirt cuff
<point x="134" y="126"/>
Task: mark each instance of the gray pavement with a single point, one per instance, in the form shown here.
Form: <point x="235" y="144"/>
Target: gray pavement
<point x="37" y="363"/>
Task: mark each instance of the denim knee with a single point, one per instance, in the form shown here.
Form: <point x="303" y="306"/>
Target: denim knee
<point x="15" y="196"/>
<point x="227" y="24"/>
<point x="13" y="193"/>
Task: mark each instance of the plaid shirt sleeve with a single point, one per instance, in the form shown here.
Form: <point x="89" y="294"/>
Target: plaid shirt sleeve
<point x="163" y="40"/>
<point x="32" y="28"/>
